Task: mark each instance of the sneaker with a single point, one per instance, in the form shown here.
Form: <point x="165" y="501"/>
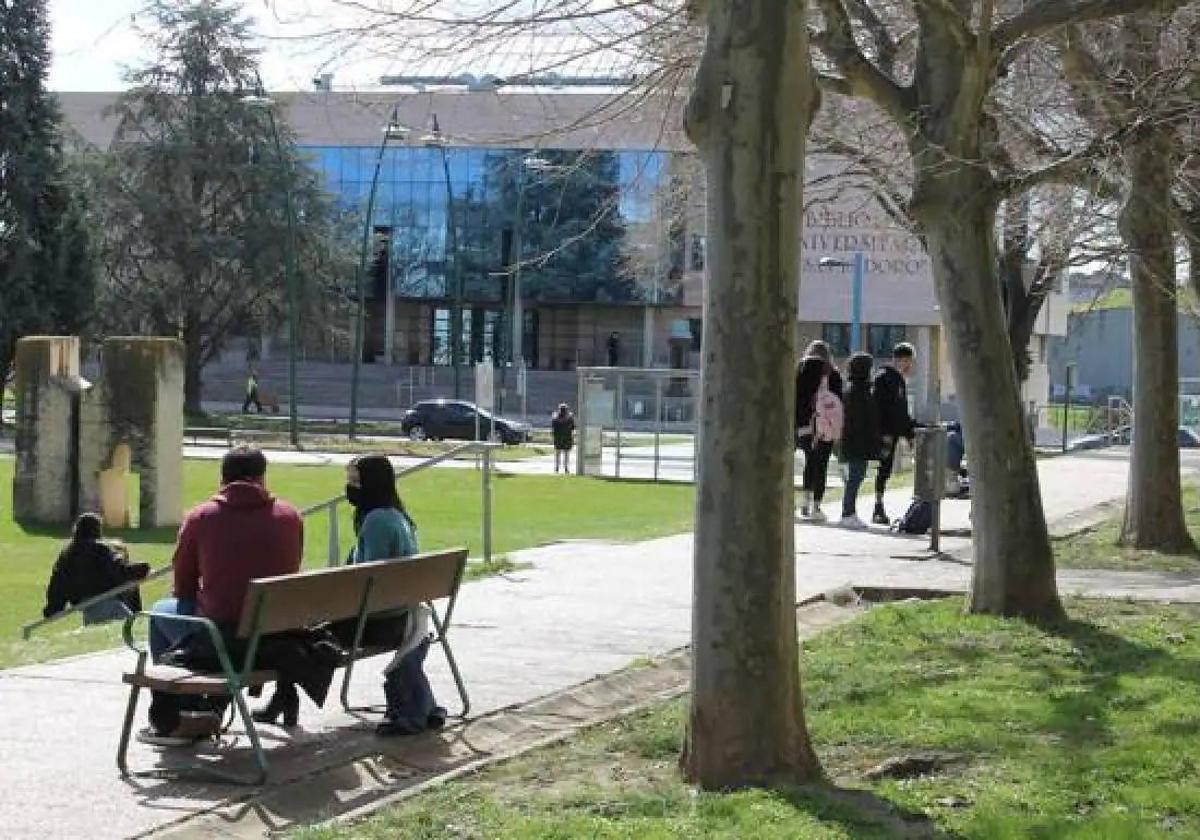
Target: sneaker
<point x="880" y="516"/>
<point x="818" y="515"/>
<point x="151" y="737"/>
<point x="853" y="523"/>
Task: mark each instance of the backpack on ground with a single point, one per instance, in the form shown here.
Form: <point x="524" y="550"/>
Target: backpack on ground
<point x="918" y="519"/>
<point x="829" y="416"/>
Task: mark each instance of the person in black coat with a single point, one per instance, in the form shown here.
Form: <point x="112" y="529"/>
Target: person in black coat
<point x="562" y="425"/>
<point x="860" y="435"/>
<point x="891" y="401"/>
<point x="88" y="567"/>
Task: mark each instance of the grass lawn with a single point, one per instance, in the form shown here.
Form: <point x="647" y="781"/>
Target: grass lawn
<point x="1084" y="729"/>
<point x="527" y="511"/>
<point x="1097" y="547"/>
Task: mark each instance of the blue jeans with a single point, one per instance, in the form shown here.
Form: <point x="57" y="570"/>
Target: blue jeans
<point x="110" y="609"/>
<point x="856" y="469"/>
<point x="165" y="633"/>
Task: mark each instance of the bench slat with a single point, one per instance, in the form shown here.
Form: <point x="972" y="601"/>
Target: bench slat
<point x="311" y="597"/>
<point x="172" y="680"/>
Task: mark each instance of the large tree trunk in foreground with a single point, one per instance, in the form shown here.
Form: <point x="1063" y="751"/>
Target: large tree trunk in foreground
<point x="1013" y="561"/>
<point x="1154" y="507"/>
<point x="749" y="115"/>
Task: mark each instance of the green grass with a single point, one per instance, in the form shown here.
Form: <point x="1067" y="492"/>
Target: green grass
<point x="1080" y="729"/>
<point x="446" y="504"/>
<point x="1097" y="548"/>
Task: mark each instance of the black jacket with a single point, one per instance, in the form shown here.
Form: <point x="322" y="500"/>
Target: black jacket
<point x="564" y="431"/>
<point x="891" y="401"/>
<point x="860" y="434"/>
<point x="86" y="570"/>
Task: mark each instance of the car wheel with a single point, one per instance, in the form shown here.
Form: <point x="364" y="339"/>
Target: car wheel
<point x="417" y="433"/>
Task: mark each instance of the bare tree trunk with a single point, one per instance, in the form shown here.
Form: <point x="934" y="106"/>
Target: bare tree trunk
<point x="1154" y="507"/>
<point x="1021" y="308"/>
<point x="1013" y="561"/>
<point x="193" y="367"/>
<point x="749" y="115"/>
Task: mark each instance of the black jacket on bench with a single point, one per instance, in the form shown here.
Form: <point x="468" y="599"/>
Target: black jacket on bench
<point x="307" y="658"/>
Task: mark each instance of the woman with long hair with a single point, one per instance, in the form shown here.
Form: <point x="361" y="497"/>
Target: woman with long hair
<point x="89" y="566"/>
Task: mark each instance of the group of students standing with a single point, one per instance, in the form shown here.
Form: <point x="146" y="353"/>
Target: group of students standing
<point x="862" y="421"/>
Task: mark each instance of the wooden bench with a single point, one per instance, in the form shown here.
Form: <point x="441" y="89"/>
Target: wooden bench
<point x="290" y="602"/>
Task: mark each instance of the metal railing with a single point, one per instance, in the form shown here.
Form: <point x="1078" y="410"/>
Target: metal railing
<point x="129" y="585"/>
<point x="330" y="508"/>
<point x="484" y="449"/>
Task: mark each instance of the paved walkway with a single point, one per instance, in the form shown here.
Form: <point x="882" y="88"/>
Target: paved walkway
<point x="583" y="609"/>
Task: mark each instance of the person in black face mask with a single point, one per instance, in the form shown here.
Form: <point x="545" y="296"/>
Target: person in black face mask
<point x="384" y="531"/>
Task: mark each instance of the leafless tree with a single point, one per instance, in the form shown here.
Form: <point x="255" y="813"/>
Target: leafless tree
<point x="1134" y="82"/>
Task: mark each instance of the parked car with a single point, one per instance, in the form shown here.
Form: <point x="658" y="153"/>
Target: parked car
<point x="1186" y="438"/>
<point x="456" y="420"/>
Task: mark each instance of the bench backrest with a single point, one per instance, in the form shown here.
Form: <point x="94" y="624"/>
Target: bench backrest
<point x="308" y="598"/>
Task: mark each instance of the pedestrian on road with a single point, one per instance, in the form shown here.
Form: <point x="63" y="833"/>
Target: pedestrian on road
<point x="252" y="397"/>
<point x="562" y="424"/>
<point x="891" y="400"/>
<point x="819" y="420"/>
<point x="860" y="437"/>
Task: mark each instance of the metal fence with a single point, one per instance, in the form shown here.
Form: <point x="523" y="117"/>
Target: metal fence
<point x="638" y="423"/>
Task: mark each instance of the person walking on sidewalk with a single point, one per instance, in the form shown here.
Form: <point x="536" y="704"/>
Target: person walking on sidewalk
<point x="252" y="397"/>
<point x="562" y="425"/>
<point x="891" y="401"/>
<point x="860" y="436"/>
<point x="819" y="420"/>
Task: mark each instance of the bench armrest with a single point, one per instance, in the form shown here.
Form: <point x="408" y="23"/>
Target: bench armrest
<point x="214" y="635"/>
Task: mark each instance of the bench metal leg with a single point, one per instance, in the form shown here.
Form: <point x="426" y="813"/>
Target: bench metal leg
<point x="260" y="756"/>
<point x="452" y="662"/>
<point x="202" y="770"/>
<point x="346" y="686"/>
<point x="126" y="729"/>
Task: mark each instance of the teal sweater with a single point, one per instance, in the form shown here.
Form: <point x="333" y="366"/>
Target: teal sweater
<point x="386" y="534"/>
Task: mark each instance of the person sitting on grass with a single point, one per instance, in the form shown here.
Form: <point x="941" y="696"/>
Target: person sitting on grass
<point x="241" y="533"/>
<point x="88" y="566"/>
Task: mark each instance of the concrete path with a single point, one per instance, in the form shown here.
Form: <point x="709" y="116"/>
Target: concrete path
<point x="583" y="609"/>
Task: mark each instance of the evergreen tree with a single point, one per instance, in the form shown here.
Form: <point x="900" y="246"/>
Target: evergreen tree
<point x="193" y="197"/>
<point x="46" y="267"/>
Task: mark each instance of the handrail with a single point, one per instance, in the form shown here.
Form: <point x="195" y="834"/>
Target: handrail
<point x="484" y="448"/>
<point x="329" y="506"/>
<point x="128" y="585"/>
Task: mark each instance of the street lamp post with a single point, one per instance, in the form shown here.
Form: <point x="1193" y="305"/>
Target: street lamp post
<point x="289" y="261"/>
<point x="360" y="315"/>
<point x="530" y="163"/>
<point x="858" y="267"/>
<point x="434" y="140"/>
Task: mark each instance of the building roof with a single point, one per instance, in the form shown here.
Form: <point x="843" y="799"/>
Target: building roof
<point x="619" y="121"/>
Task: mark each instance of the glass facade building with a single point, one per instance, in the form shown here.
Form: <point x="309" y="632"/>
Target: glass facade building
<point x="569" y="227"/>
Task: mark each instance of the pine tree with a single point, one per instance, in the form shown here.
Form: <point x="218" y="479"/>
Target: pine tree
<point x="45" y="254"/>
<point x="190" y="200"/>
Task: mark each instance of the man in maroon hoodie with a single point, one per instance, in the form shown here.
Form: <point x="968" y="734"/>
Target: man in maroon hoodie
<point x="241" y="533"/>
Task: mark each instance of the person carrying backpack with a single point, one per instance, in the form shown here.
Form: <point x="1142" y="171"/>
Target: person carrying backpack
<point x="819" y="421"/>
<point x="860" y="435"/>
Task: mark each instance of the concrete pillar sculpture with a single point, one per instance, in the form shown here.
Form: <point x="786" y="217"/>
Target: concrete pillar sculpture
<point x="76" y="443"/>
<point x="47" y="385"/>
